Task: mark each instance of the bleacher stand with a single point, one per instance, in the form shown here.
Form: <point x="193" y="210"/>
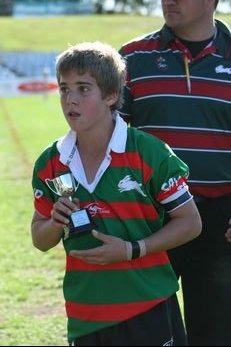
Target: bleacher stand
<point x="23" y="73"/>
<point x="26" y="64"/>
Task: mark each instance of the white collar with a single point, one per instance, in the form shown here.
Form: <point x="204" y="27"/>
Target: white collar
<point x="69" y="154"/>
<point x="67" y="144"/>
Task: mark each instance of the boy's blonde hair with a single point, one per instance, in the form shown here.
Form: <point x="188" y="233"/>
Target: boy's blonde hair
<point x="101" y="61"/>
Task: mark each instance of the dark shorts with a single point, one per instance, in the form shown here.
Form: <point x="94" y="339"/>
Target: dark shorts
<point x="152" y="328"/>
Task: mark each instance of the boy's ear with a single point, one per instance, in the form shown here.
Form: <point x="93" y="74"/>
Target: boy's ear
<point x="112" y="99"/>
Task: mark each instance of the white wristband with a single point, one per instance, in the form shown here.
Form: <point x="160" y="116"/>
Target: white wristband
<point x="129" y="250"/>
<point x="142" y="245"/>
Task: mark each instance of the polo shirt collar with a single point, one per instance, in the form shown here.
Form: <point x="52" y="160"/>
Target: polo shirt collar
<point x="168" y="36"/>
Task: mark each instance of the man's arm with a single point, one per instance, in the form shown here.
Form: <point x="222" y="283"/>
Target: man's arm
<point x="228" y="232"/>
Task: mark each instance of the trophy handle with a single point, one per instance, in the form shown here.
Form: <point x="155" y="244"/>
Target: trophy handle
<point x="47" y="181"/>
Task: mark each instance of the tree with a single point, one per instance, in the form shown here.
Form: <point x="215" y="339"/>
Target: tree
<point x="6" y="7"/>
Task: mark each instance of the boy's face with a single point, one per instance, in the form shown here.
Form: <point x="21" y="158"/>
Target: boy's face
<point x="82" y="102"/>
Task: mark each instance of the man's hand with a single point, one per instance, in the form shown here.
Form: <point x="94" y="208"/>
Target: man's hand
<point x="228" y="232"/>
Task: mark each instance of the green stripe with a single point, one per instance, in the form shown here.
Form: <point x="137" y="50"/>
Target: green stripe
<point x="129" y="230"/>
<point x="46" y="156"/>
<point x="129" y="285"/>
<point x="112" y="177"/>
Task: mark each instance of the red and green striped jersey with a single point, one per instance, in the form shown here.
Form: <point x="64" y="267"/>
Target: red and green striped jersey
<point x="142" y="180"/>
<point x="188" y="108"/>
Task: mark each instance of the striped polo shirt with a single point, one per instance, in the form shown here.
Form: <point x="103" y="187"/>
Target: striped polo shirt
<point x="185" y="101"/>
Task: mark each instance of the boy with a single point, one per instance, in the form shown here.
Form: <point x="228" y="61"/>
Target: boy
<point x="118" y="278"/>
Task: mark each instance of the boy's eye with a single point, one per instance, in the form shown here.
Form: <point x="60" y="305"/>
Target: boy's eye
<point x="63" y="90"/>
<point x="83" y="89"/>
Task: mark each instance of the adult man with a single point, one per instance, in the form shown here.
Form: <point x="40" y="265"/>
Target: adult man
<point x="178" y="88"/>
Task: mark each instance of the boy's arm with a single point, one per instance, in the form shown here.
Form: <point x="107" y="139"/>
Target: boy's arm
<point x="47" y="232"/>
<point x="185" y="225"/>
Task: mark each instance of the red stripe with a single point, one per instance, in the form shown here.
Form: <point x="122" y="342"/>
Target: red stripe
<point x="122" y="210"/>
<point x="74" y="264"/>
<point x="214" y="89"/>
<point x="53" y="166"/>
<point x="159" y="86"/>
<point x="179" y="86"/>
<point x="108" y="312"/>
<point x="52" y="169"/>
<point x="43" y="206"/>
<point x="145" y="45"/>
<point x="187" y="139"/>
<point x="170" y="188"/>
<point x="132" y="160"/>
<point x="210" y="190"/>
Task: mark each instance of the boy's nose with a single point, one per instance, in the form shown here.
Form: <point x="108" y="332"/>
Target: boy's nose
<point x="72" y="97"/>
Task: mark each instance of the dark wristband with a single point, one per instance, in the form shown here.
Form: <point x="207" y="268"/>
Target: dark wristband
<point x="135" y="249"/>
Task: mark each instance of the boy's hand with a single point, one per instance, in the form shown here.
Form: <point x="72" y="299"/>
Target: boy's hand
<point x="113" y="250"/>
<point x="62" y="209"/>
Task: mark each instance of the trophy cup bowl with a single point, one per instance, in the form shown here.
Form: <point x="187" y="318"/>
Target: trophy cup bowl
<point x="80" y="220"/>
<point x="63" y="185"/>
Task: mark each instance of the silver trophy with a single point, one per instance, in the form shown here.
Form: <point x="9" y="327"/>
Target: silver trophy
<point x="65" y="185"/>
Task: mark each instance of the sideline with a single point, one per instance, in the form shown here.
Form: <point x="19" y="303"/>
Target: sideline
<point x="27" y="86"/>
<point x="20" y="148"/>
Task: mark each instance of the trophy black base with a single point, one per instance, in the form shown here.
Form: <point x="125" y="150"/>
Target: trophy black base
<point x="81" y="222"/>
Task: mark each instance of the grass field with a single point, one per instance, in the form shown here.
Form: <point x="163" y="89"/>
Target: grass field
<point x="52" y="34"/>
<point x="56" y="32"/>
<point x="31" y="301"/>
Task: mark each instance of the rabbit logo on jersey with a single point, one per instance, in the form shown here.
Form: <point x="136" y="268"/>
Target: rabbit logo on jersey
<point x="127" y="184"/>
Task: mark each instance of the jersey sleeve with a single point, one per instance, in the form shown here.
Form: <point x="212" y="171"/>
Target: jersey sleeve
<point x="44" y="168"/>
<point x="168" y="182"/>
<point x="43" y="197"/>
<point x="172" y="190"/>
